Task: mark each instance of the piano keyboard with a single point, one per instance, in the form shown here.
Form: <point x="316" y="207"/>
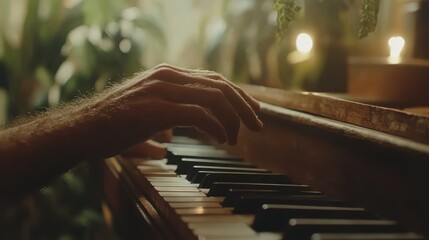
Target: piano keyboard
<point x="207" y="193"/>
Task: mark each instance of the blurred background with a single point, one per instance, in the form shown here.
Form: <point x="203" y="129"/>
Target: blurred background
<point x="53" y="51"/>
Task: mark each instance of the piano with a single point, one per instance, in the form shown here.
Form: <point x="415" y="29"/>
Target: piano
<point x="322" y="168"/>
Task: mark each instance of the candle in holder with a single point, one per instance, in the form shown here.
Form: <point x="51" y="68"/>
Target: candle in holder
<point x="393" y="81"/>
<point x="396" y="44"/>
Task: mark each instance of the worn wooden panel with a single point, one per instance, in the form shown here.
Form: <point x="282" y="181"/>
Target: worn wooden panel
<point x="388" y="120"/>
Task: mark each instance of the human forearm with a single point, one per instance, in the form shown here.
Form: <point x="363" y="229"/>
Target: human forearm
<point x="32" y="153"/>
<point x="159" y="99"/>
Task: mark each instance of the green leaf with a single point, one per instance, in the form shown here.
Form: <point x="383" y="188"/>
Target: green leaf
<point x="286" y="13"/>
<point x="369" y="17"/>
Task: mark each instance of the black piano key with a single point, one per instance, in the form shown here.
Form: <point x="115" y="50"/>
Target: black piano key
<point x="367" y="236"/>
<point x="222" y="188"/>
<point x="234" y="195"/>
<point x="250" y="204"/>
<point x="212" y="177"/>
<point x="177" y="154"/>
<point x="301" y="228"/>
<point x="185" y="165"/>
<point x="273" y="217"/>
<point x="195" y="169"/>
<point x="172" y="158"/>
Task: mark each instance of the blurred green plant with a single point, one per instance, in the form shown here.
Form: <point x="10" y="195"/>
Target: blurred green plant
<point x="52" y="51"/>
<point x="286" y="13"/>
<point x="369" y="17"/>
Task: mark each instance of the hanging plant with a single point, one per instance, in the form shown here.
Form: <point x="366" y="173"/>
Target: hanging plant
<point x="287" y="11"/>
<point x="369" y="17"/>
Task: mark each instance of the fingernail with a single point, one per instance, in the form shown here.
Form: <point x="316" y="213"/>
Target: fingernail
<point x="260" y="123"/>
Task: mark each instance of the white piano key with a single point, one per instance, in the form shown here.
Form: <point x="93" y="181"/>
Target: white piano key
<point x="166" y="179"/>
<point x="160" y="174"/>
<point x="193" y="204"/>
<point x="177" y="189"/>
<point x="174" y="184"/>
<point x="181" y="194"/>
<point x="193" y="199"/>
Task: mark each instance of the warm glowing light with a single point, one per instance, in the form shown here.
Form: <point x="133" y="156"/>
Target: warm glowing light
<point x="304" y="43"/>
<point x="396" y="44"/>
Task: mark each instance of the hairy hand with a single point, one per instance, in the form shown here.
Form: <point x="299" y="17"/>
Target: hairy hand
<point x="166" y="96"/>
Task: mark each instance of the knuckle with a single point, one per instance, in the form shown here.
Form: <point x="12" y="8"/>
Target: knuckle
<point x="222" y="85"/>
<point x="161" y="72"/>
<point x="217" y="94"/>
<point x="215" y="75"/>
<point x="195" y="85"/>
<point x="162" y="65"/>
<point x="153" y="84"/>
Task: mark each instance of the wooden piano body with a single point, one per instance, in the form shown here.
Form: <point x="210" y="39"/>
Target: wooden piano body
<point x="371" y="156"/>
